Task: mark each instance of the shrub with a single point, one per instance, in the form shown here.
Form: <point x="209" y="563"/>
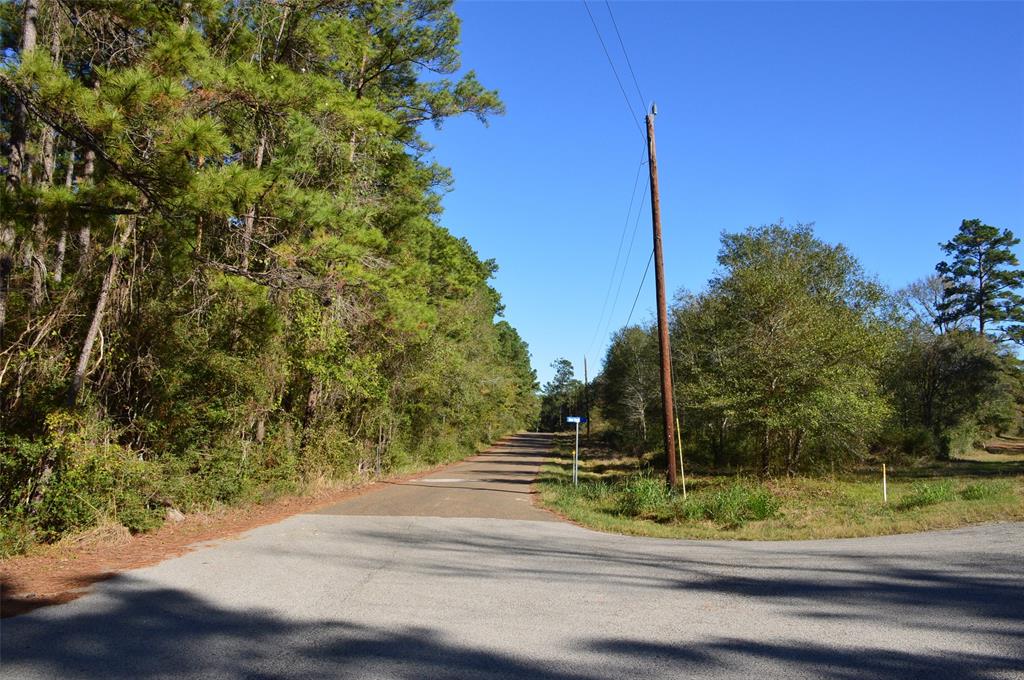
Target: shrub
<point x="104" y="483"/>
<point x="986" y="490"/>
<point x="16" y="534"/>
<point x="927" y="493"/>
<point x="732" y="506"/>
<point x="643" y="496"/>
<point x="595" y="490"/>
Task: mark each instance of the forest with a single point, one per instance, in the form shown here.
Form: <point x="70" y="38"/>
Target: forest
<point x="793" y="360"/>
<point x="223" y="269"/>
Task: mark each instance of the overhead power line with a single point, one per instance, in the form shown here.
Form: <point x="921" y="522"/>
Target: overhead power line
<point x="618" y="253"/>
<point x="625" y="53"/>
<point x="638" y="290"/>
<point x="608" y="56"/>
<point x="625" y="263"/>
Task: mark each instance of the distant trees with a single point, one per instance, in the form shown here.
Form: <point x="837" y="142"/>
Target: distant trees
<point x="561" y="396"/>
<point x="981" y="279"/>
<point x="792" y="357"/>
<point x="629" y="383"/>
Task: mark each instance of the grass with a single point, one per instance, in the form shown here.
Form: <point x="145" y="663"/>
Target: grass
<point x="622" y="494"/>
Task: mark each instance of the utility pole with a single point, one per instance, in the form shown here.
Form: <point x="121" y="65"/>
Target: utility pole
<point x="586" y="397"/>
<point x="659" y="281"/>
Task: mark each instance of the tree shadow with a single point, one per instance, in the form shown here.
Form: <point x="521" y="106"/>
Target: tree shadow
<point x="135" y="632"/>
<point x="149" y="633"/>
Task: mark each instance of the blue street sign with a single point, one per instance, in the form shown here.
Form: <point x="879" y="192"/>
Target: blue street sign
<point x="576" y="419"/>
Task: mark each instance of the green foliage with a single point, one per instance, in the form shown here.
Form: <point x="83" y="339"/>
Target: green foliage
<point x="562" y="396"/>
<point x="986" y="490"/>
<point x="628" y="387"/>
<point x="927" y="493"/>
<point x="643" y="495"/>
<point x="793" y="359"/>
<point x="779" y="358"/>
<point x="732" y="506"/>
<point x="101" y="484"/>
<point x="981" y="279"/>
<point x="237" y="235"/>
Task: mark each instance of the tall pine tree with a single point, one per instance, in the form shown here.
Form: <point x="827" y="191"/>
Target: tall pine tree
<point x="982" y="279"/>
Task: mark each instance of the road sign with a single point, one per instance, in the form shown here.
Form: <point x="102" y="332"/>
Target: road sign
<point x="576" y="419"/>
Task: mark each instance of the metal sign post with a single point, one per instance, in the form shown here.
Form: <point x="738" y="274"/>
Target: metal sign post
<point x="576" y="453"/>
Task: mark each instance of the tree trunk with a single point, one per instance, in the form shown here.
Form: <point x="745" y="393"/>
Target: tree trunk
<point x="766" y="455"/>
<point x="62" y="241"/>
<point x="6" y="266"/>
<point x="36" y="248"/>
<point x="19" y="126"/>
<point x="312" y="399"/>
<point x="719" y="459"/>
<point x="250" y="217"/>
<point x="84" y="231"/>
<point x="120" y="240"/>
<point x="796" y="440"/>
<point x="16" y="163"/>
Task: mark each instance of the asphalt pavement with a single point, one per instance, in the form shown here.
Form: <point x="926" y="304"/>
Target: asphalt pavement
<point x="453" y="576"/>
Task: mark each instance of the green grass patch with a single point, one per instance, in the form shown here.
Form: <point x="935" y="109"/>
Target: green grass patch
<point x="928" y="493"/>
<point x="644" y="496"/>
<point x="626" y="494"/>
<point x="987" y="490"/>
<point x="733" y="506"/>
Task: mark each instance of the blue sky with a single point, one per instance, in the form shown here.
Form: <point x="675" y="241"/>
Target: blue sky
<point x="884" y="123"/>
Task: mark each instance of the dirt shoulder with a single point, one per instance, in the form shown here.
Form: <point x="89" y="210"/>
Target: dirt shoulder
<point x="64" y="571"/>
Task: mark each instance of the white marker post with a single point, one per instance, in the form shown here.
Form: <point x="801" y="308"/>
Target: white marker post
<point x="885" y="486"/>
<point x="576" y="453"/>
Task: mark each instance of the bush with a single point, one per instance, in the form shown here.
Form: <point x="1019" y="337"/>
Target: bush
<point x="927" y="493"/>
<point x="986" y="490"/>
<point x="643" y="496"/>
<point x="16" y="534"/>
<point x="732" y="506"/>
<point x="101" y="484"/>
<point x="961" y="439"/>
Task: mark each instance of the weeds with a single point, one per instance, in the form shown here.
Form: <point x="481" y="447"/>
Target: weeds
<point x="927" y="493"/>
<point x="987" y="490"/>
<point x="732" y="506"/>
<point x="643" y="496"/>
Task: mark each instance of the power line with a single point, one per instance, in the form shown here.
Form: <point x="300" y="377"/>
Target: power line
<point x="618" y="252"/>
<point x="618" y="80"/>
<point x="625" y="264"/>
<point x="643" y="102"/>
<point x="638" y="290"/>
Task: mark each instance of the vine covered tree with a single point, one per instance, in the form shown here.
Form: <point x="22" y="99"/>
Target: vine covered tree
<point x="982" y="279"/>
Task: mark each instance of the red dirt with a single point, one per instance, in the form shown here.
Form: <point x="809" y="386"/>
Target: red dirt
<point x="63" y="572"/>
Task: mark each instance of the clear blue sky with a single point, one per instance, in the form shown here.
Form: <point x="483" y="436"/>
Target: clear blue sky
<point x="884" y="123"/>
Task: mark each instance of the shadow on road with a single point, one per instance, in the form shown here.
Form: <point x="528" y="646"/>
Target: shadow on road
<point x="149" y="633"/>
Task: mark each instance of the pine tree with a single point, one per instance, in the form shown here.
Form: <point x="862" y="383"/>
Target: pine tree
<point x="982" y="279"/>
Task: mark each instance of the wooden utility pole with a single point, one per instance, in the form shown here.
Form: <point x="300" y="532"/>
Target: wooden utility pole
<point x="659" y="282"/>
<point x="586" y="397"/>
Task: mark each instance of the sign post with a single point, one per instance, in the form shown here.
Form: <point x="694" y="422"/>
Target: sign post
<point x="576" y="454"/>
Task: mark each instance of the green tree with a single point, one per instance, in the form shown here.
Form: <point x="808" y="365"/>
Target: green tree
<point x="982" y="279"/>
<point x="629" y="387"/>
<point x="786" y="348"/>
<point x="561" y="396"/>
<point x="222" y="256"/>
<point x="950" y="390"/>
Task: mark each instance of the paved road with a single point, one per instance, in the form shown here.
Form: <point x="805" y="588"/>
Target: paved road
<point x="348" y="594"/>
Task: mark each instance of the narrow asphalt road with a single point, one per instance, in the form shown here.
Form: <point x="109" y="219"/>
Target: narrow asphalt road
<point x="456" y="575"/>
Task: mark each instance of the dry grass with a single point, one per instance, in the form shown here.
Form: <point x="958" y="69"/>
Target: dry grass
<point x="937" y="496"/>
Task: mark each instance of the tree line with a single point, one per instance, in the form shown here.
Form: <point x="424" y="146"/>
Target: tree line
<point x="793" y="359"/>
<point x="222" y="264"/>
